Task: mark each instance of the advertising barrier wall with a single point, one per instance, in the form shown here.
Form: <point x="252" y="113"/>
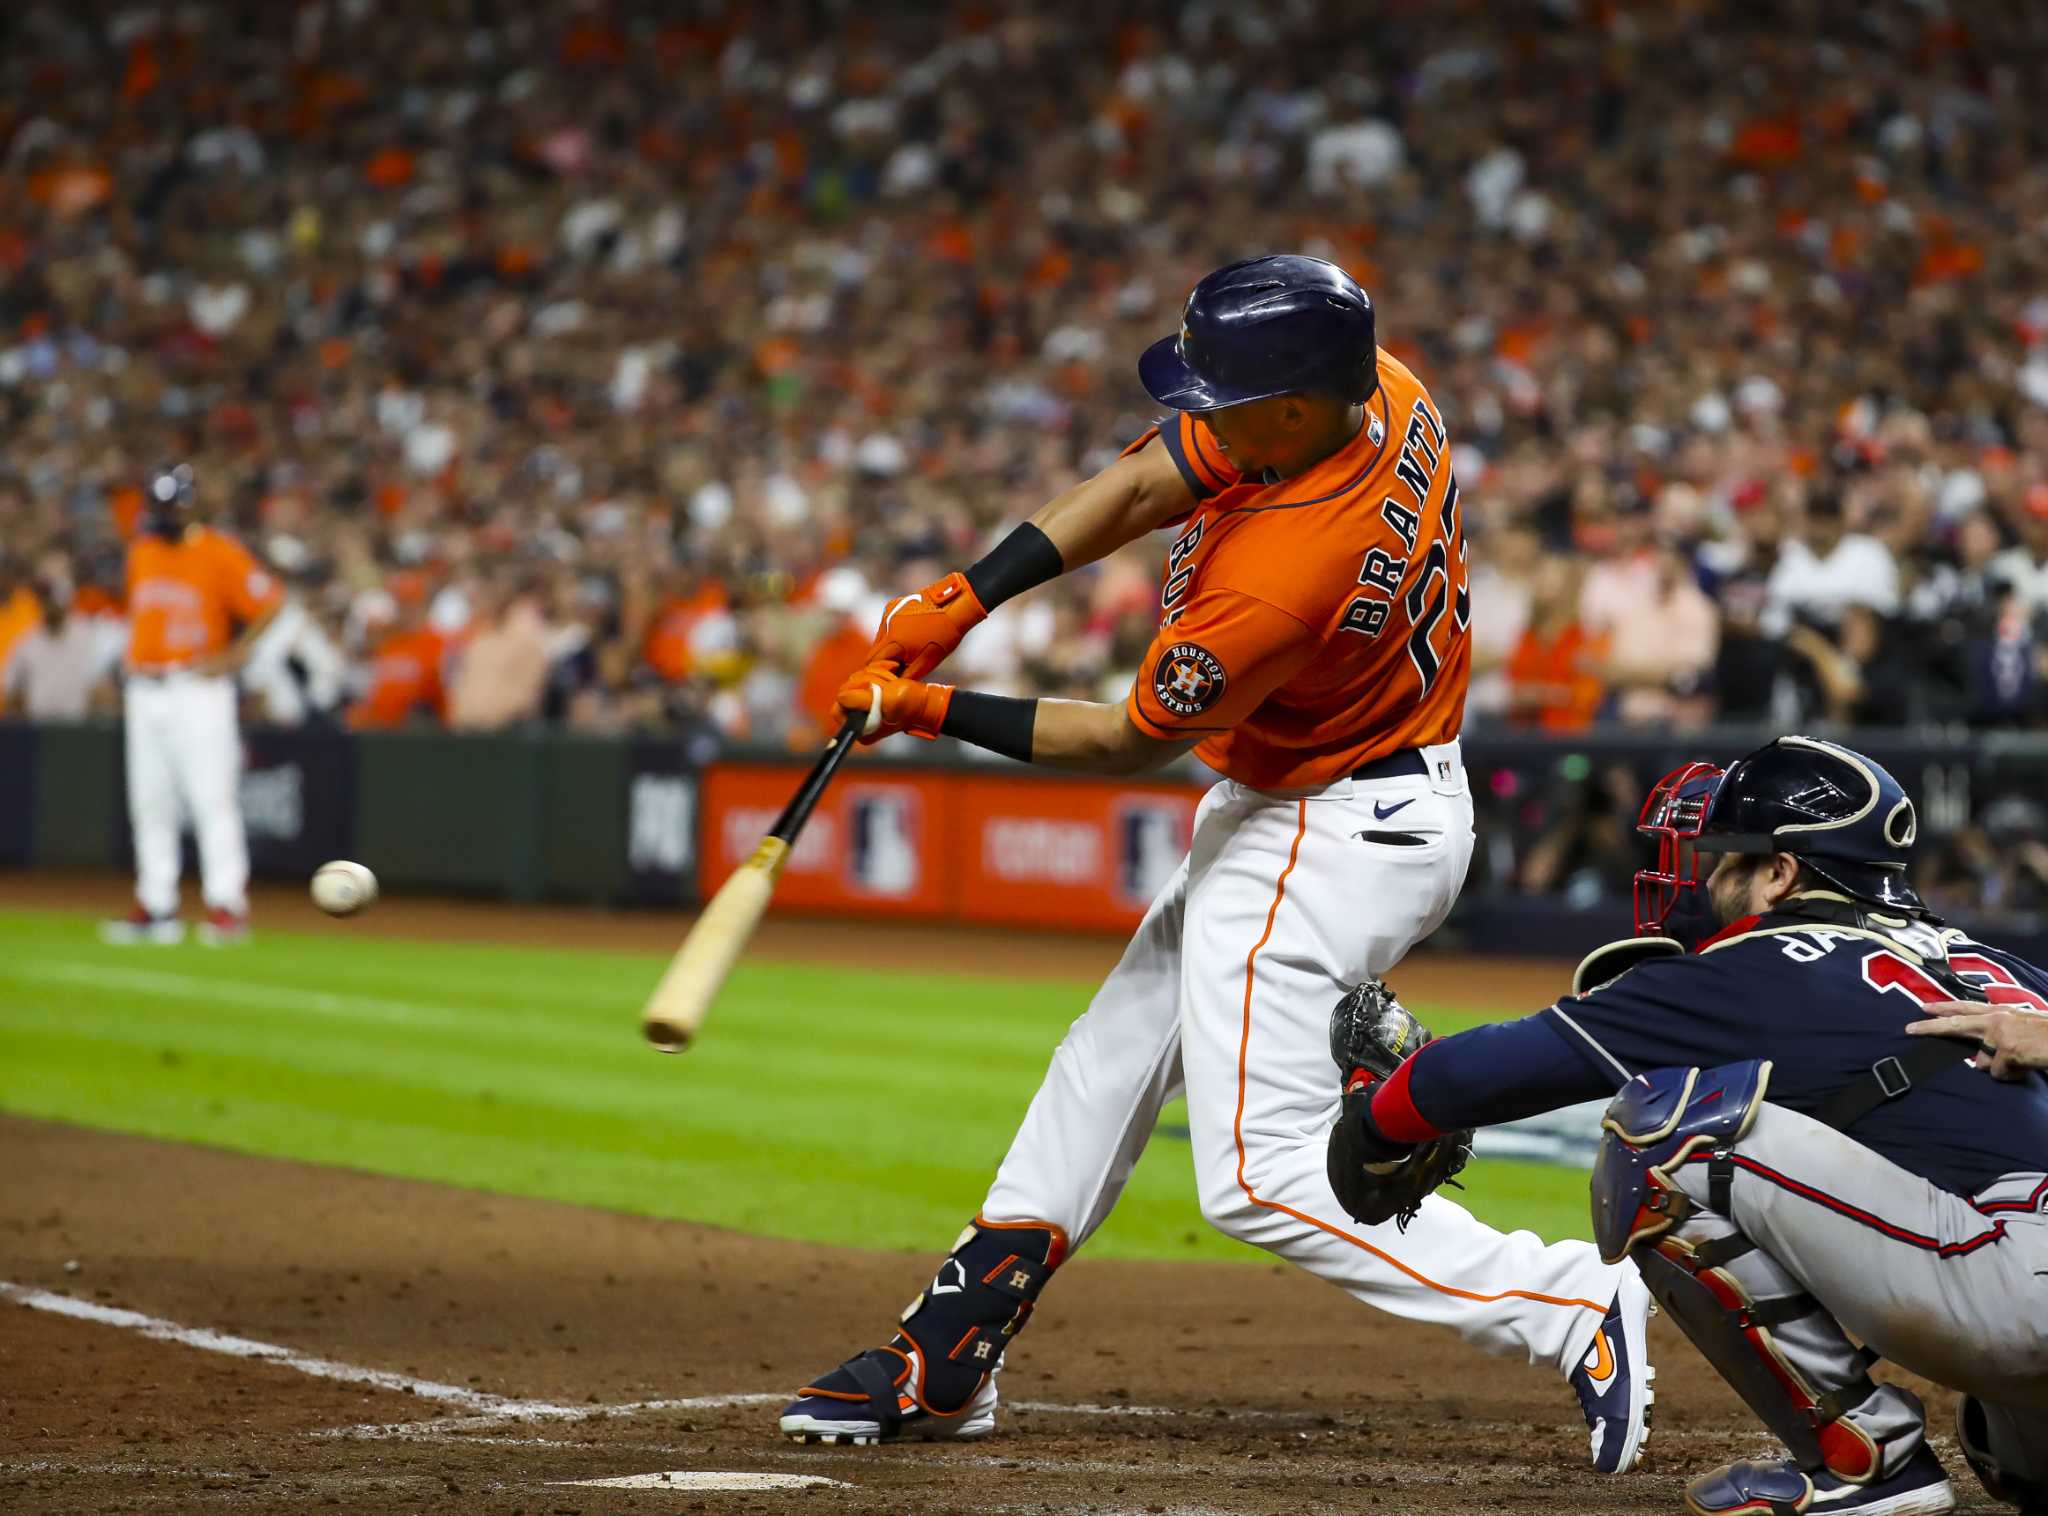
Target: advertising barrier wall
<point x="653" y="820"/>
<point x="1003" y="848"/>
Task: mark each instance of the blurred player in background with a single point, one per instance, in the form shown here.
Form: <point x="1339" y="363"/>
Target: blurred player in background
<point x="197" y="603"/>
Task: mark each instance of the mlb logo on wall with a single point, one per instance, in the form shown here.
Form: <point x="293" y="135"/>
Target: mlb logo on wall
<point x="882" y="840"/>
<point x="1151" y="839"/>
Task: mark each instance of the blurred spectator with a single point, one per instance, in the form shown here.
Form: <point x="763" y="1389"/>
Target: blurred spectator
<point x="1841" y="667"/>
<point x="2024" y="565"/>
<point x="406" y="662"/>
<point x="501" y="670"/>
<point x="692" y="629"/>
<point x="842" y="600"/>
<point x="1553" y="678"/>
<point x="625" y="300"/>
<point x="295" y="670"/>
<point x="21" y="610"/>
<point x="1501" y="591"/>
<point x="1995" y="867"/>
<point x="60" y="668"/>
<point x="1825" y="568"/>
<point x="1664" y="646"/>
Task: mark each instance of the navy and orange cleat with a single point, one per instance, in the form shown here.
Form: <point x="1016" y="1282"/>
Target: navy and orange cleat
<point x="867" y="1400"/>
<point x="1615" y="1382"/>
<point x="1779" y="1487"/>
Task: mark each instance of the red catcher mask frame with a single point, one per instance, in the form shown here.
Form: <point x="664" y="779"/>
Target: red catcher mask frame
<point x="1673" y="815"/>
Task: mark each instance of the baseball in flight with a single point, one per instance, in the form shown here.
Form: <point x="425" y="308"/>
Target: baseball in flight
<point x="342" y="888"/>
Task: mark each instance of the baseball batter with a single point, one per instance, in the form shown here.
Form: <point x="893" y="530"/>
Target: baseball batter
<point x="197" y="602"/>
<point x="1313" y="649"/>
<point x="1793" y="1171"/>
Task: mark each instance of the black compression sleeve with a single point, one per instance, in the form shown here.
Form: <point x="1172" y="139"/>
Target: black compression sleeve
<point x="997" y="722"/>
<point x="1023" y="560"/>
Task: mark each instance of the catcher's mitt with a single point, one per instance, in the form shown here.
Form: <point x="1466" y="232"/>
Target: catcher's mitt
<point x="1377" y="1180"/>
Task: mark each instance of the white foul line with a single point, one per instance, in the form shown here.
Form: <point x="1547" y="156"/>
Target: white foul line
<point x="485" y="1409"/>
<point x="210" y="1341"/>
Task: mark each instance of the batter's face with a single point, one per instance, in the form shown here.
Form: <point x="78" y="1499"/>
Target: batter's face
<point x="1748" y="884"/>
<point x="1286" y="434"/>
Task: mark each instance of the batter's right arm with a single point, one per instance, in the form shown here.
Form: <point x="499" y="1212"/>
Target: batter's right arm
<point x="1137" y="494"/>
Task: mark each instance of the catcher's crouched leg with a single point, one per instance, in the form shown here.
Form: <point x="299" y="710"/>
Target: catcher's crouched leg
<point x="935" y="1378"/>
<point x="1773" y="1343"/>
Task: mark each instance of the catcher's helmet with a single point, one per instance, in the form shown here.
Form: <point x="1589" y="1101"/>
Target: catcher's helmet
<point x="1833" y="809"/>
<point x="1277" y="325"/>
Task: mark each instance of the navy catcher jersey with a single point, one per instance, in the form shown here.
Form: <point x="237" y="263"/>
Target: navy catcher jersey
<point x="1824" y="1002"/>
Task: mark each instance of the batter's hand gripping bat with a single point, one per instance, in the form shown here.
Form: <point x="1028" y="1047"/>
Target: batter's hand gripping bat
<point x="676" y="1008"/>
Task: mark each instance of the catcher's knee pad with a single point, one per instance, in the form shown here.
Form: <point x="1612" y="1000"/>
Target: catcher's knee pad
<point x="952" y="1336"/>
<point x="1657" y="1123"/>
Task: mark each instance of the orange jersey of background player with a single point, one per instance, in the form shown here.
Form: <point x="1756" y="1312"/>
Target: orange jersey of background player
<point x="1314" y="624"/>
<point x="186" y="596"/>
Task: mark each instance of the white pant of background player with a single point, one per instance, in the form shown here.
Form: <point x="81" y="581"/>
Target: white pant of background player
<point x="1225" y="992"/>
<point x="185" y="765"/>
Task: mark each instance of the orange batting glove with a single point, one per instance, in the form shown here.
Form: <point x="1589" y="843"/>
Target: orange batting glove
<point x="918" y="632"/>
<point x="891" y="703"/>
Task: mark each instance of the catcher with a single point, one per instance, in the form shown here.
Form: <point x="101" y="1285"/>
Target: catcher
<point x="1790" y="1169"/>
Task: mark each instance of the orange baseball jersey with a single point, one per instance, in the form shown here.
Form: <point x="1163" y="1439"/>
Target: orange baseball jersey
<point x="186" y="597"/>
<point x="1313" y="624"/>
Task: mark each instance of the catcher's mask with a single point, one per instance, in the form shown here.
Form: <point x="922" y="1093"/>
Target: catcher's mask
<point x="1836" y="810"/>
<point x="1672" y="816"/>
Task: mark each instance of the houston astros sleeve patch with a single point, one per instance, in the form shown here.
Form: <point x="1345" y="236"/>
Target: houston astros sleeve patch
<point x="1188" y="679"/>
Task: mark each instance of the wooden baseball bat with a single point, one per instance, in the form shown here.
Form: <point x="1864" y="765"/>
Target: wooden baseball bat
<point x="676" y="1009"/>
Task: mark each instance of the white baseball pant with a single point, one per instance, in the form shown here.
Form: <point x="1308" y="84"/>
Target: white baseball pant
<point x="185" y="763"/>
<point x="1283" y="904"/>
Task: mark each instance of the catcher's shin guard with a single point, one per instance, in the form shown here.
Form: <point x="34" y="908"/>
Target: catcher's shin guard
<point x="1733" y="1333"/>
<point x="952" y="1336"/>
<point x="1657" y="1123"/>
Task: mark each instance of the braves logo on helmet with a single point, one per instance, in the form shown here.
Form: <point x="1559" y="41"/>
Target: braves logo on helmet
<point x="1189" y="679"/>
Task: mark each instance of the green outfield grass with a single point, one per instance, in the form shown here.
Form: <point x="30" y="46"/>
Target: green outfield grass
<point x="823" y="1104"/>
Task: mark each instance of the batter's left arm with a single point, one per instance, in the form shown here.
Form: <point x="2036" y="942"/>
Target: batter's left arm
<point x="1082" y="735"/>
<point x="1204" y="674"/>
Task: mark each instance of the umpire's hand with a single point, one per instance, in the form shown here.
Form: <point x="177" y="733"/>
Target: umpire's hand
<point x="2010" y="1042"/>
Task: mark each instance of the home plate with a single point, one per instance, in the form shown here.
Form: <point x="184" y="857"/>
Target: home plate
<point x="705" y="1479"/>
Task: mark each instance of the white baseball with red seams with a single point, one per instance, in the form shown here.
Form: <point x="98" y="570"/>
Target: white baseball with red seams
<point x="342" y="888"/>
<point x="1282" y="905"/>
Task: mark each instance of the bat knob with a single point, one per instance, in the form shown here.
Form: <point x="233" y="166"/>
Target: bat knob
<point x="667" y="1038"/>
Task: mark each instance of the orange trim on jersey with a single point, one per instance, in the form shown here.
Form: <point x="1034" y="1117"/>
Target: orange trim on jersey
<point x="1237" y="1128"/>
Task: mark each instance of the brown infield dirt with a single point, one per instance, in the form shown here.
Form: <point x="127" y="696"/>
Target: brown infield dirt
<point x="1242" y="1389"/>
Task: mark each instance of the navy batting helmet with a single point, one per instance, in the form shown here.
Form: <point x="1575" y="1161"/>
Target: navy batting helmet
<point x="1835" y="810"/>
<point x="1278" y="325"/>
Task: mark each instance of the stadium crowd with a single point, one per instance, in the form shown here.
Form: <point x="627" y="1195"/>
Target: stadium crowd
<point x="607" y="364"/>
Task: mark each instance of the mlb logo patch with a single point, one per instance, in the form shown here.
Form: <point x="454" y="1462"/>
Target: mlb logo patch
<point x="1375" y="430"/>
